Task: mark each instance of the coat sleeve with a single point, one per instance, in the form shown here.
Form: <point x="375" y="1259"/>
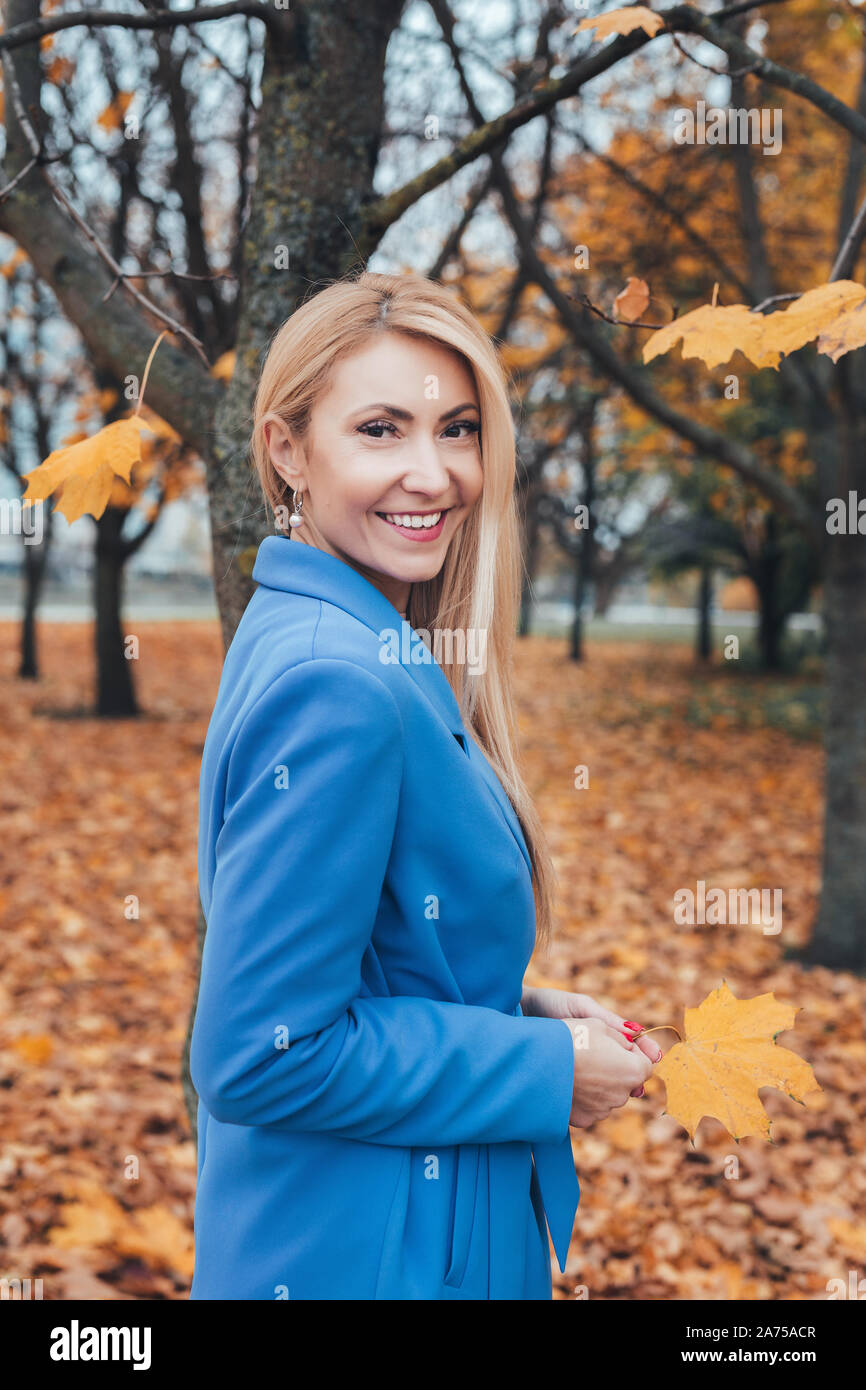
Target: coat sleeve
<point x="284" y="1034"/>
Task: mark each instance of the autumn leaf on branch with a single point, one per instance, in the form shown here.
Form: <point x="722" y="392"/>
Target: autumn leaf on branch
<point x="727" y="1053"/>
<point x="632" y="301"/>
<point x="85" y="473"/>
<point x="713" y="333"/>
<point x="623" y="22"/>
<point x="112" y="117"/>
<point x="88" y="472"/>
<point x="224" y="366"/>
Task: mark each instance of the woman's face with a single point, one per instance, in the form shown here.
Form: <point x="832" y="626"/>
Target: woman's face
<point x="393" y="443"/>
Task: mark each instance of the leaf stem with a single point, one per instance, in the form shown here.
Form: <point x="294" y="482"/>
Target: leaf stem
<point x="147" y="369"/>
<point x="644" y="1031"/>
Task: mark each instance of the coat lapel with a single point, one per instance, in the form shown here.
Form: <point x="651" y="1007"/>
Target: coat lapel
<point x="303" y="569"/>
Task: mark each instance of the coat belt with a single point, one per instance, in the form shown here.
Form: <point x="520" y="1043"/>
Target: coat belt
<point x="558" y="1187"/>
<point x="560" y="1192"/>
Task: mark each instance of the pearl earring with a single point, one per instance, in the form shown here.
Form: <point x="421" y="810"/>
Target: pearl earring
<point x="297" y="502"/>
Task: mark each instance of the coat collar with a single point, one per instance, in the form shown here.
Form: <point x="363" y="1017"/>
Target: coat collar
<point x="304" y="569"/>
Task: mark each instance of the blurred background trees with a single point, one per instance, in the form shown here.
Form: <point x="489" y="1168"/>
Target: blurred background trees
<point x="205" y="173"/>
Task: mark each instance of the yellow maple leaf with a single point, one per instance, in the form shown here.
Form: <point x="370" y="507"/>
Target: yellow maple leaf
<point x="816" y="311"/>
<point x="623" y="22"/>
<point x="84" y="472"/>
<point x="713" y="333"/>
<point x="727" y="1053"/>
<point x="848" y="331"/>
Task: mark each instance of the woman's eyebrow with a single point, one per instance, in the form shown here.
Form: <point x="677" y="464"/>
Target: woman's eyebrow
<point x="388" y="409"/>
<point x="407" y="414"/>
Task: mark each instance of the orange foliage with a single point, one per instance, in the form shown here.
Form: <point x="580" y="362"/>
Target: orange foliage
<point x="91" y="1052"/>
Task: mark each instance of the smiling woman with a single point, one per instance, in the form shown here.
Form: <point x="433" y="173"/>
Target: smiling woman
<point x="380" y="473"/>
<point x="384" y="1109"/>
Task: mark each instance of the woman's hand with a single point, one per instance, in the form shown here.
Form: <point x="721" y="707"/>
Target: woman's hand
<point x="607" y="1070"/>
<point x="560" y="1003"/>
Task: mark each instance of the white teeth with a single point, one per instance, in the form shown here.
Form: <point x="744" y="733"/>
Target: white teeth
<point x="416" y="522"/>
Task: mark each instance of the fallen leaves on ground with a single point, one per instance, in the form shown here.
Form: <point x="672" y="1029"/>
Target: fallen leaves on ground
<point x="669" y="803"/>
<point x="97" y="1166"/>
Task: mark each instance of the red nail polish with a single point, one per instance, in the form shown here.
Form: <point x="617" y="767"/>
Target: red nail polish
<point x="635" y="1027"/>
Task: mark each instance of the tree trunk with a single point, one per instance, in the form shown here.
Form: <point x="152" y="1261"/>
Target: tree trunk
<point x="319" y="128"/>
<point x="115" y="690"/>
<point x="771" y="620"/>
<point x="839" y="936"/>
<point x="704" y="636"/>
<point x="35" y="565"/>
<point x="585" y="563"/>
<point x="771" y="628"/>
<point x="532" y="536"/>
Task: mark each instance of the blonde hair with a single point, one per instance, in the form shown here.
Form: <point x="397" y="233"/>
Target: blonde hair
<point x="478" y="587"/>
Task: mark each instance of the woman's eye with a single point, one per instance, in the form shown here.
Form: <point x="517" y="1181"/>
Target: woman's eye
<point x="471" y="425"/>
<point x="376" y="427"/>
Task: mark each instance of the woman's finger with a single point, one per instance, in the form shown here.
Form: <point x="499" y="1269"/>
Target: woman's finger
<point x="649" y="1048"/>
<point x="590" y="1008"/>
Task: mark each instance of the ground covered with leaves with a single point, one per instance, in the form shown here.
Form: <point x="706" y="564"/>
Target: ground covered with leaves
<point x="691" y="777"/>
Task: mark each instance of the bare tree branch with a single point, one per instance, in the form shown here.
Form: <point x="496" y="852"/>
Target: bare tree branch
<point x="382" y="212"/>
<point x="672" y="214"/>
<point x="452" y="242"/>
<point x="843" y="266"/>
<point x="7" y="189"/>
<point x="35" y="29"/>
<point x="686" y="19"/>
<point x="102" y="250"/>
<point x="706" y="440"/>
<point x="180" y="390"/>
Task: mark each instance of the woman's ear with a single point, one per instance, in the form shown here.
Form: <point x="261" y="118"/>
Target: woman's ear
<point x="285" y="455"/>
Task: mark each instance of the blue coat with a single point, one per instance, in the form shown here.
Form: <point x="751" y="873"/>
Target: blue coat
<point x="377" y="1118"/>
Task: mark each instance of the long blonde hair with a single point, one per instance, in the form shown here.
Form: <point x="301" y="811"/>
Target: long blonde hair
<point x="478" y="587"/>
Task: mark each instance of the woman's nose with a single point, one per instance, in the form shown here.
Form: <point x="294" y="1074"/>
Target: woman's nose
<point x="425" y="471"/>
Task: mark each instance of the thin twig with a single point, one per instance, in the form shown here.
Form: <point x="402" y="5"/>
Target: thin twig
<point x="4" y="192"/>
<point x="708" y="67"/>
<point x="149" y="274"/>
<point x="102" y="250"/>
<point x="619" y="323"/>
<point x="743" y="8"/>
<point x="36" y="29"/>
<point x="844" y="263"/>
<point x="775" y="299"/>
